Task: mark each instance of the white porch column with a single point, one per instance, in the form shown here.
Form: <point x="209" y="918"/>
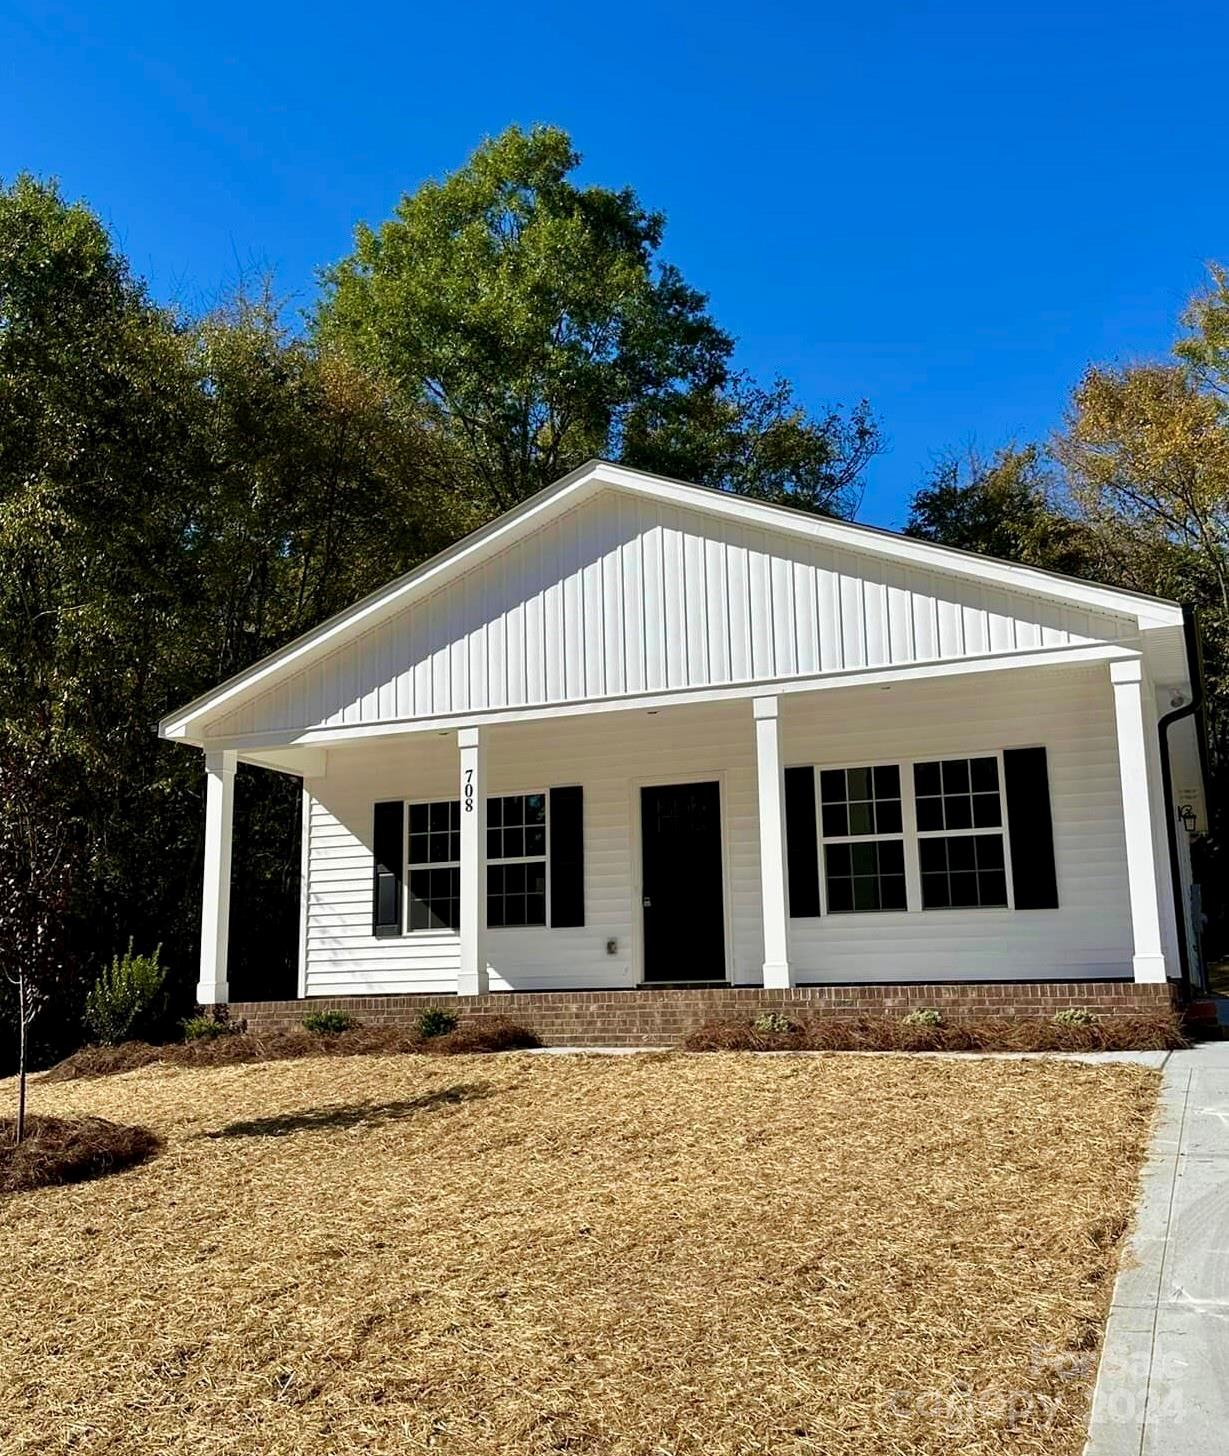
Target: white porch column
<point x="472" y="976"/>
<point x="211" y="989"/>
<point x="1135" y="722"/>
<point x="772" y="842"/>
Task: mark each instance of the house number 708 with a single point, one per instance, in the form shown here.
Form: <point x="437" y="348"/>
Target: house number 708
<point x="469" y="791"/>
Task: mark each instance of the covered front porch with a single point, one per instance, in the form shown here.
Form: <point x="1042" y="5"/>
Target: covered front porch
<point x="667" y="841"/>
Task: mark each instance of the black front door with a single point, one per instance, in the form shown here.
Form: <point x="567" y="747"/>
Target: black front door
<point x="684" y="922"/>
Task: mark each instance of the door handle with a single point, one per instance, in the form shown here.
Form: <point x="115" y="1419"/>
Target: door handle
<point x="647" y="903"/>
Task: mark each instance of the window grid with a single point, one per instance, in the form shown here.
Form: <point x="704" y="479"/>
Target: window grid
<point x="961" y="833"/>
<point x="862" y="829"/>
<point x="433" y="901"/>
<point x="912" y="834"/>
<point x="958" y="795"/>
<point x="518" y="841"/>
<point x="963" y="871"/>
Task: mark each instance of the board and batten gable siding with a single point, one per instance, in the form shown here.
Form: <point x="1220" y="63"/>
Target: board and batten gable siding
<point x="622" y="596"/>
<point x="1068" y="710"/>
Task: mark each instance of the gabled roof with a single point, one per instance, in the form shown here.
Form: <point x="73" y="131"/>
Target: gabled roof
<point x="598" y="475"/>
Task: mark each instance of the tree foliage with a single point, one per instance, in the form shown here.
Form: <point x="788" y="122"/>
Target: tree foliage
<point x="534" y="319"/>
<point x="756" y="442"/>
<point x="180" y="496"/>
<point x="177" y="498"/>
<point x="1006" y="506"/>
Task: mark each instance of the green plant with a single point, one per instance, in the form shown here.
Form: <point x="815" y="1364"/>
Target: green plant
<point x="128" y="998"/>
<point x="1074" y="1016"/>
<point x="328" y="1023"/>
<point x="435" y="1021"/>
<point x="774" y="1022"/>
<point x="205" y="1027"/>
<point x="924" y="1016"/>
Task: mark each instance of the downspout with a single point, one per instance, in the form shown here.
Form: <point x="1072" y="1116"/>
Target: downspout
<point x="1182" y="912"/>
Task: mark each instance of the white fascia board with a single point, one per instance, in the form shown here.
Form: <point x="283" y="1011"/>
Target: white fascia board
<point x="498" y="534"/>
<point x="1082" y="655"/>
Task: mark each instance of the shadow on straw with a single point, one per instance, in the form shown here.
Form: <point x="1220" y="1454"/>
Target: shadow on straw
<point x="353" y="1114"/>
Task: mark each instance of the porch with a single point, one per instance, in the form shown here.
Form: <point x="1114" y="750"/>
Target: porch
<point x="743" y="898"/>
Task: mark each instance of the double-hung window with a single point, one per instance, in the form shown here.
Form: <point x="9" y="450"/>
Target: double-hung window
<point x="516" y="860"/>
<point x="928" y="835"/>
<point x="961" y="850"/>
<point x="435" y="865"/>
<point x="863" y="838"/>
<point x="516" y="846"/>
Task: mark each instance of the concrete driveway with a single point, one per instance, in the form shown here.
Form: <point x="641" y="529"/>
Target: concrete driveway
<point x="1163" y="1383"/>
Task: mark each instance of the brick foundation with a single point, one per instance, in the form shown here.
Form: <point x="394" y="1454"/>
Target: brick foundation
<point x="663" y="1017"/>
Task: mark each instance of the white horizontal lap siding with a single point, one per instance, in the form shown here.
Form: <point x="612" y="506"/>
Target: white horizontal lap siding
<point x="608" y="756"/>
<point x="620" y="595"/>
<point x="1070" y="713"/>
<point x="344" y="958"/>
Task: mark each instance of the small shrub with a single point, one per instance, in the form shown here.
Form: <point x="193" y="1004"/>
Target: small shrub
<point x="1074" y="1016"/>
<point x="435" y="1021"/>
<point x="924" y="1016"/>
<point x="206" y="1028"/>
<point x="328" y="1023"/>
<point x="774" y="1023"/>
<point x="128" y="999"/>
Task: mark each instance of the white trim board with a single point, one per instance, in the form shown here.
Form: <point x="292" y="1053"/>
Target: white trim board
<point x="249" y="744"/>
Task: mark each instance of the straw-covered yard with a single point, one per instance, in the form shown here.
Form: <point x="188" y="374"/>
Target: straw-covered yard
<point x="663" y="1255"/>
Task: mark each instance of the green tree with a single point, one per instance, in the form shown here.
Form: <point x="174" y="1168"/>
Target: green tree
<point x="534" y="319"/>
<point x="1203" y="348"/>
<point x="757" y="442"/>
<point x="320" y="482"/>
<point x="176" y="499"/>
<point x="1008" y="506"/>
<point x="1146" y="450"/>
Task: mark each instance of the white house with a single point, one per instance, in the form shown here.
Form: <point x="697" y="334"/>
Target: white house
<point x="636" y="732"/>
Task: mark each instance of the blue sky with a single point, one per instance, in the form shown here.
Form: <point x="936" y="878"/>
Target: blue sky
<point x="948" y="209"/>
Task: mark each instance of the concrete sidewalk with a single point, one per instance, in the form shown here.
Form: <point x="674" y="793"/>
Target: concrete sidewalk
<point x="1163" y="1383"/>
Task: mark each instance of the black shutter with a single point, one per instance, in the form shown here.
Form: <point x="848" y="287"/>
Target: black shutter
<point x="801" y="842"/>
<point x="567" y="856"/>
<point x="1033" y="875"/>
<point x="388" y="851"/>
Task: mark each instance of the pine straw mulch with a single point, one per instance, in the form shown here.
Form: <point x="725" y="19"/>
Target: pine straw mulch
<point x="485" y="1034"/>
<point x="58" y="1150"/>
<point x="698" y="1256"/>
<point x="1155" y="1031"/>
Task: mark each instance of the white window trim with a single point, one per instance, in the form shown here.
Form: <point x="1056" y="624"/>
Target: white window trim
<point x="826" y="839"/>
<point x="455" y="864"/>
<point x="411" y="865"/>
<point x="543" y="858"/>
<point x="1001" y="828"/>
<point x="911" y="835"/>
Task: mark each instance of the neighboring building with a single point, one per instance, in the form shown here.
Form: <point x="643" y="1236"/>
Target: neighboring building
<point x="639" y="732"/>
